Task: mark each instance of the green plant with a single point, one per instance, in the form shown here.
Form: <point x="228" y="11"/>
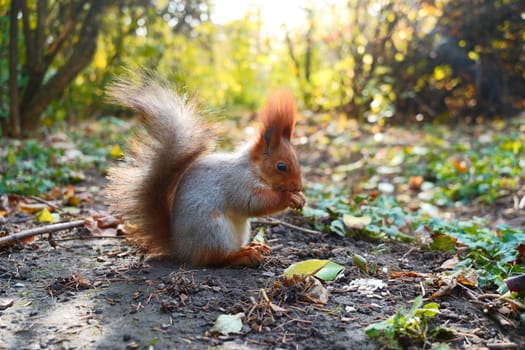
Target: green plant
<point x="495" y="255"/>
<point x="411" y="328"/>
<point x="383" y="217"/>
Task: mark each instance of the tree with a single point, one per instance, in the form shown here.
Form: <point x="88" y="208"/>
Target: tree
<point x="55" y="27"/>
<point x="51" y="42"/>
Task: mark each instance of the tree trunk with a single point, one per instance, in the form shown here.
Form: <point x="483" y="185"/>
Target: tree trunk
<point x="81" y="56"/>
<point x="14" y="112"/>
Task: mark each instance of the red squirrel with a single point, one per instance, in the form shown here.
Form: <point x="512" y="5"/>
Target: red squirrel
<point x="191" y="204"/>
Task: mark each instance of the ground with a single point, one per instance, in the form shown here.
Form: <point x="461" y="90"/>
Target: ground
<point x="76" y="291"/>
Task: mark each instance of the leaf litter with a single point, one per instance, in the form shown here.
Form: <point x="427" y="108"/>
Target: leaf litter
<point x="137" y="303"/>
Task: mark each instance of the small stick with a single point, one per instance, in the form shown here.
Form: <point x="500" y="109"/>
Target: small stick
<point x="40" y="231"/>
<point x="499" y="346"/>
<point x="284" y="223"/>
<point x="48" y="203"/>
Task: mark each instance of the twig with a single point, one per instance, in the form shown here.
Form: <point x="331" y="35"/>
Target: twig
<point x="88" y="237"/>
<point x="488" y="310"/>
<point x="40" y="231"/>
<point x="500" y="346"/>
<point x="48" y="203"/>
<point x="272" y="221"/>
<point x="407" y="253"/>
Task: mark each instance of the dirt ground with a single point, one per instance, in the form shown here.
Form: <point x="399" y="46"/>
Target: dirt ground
<point x="99" y="293"/>
<point x="76" y="291"/>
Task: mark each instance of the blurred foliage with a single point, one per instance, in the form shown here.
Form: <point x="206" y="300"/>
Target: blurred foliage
<point x="435" y="166"/>
<point x="32" y="167"/>
<point x="376" y="61"/>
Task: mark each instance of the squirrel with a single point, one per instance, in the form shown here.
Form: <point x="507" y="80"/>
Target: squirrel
<point x="189" y="203"/>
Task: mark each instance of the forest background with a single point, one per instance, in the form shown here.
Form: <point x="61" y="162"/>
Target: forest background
<point x="389" y="61"/>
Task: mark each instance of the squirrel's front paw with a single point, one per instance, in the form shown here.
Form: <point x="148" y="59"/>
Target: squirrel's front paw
<point x="297" y="200"/>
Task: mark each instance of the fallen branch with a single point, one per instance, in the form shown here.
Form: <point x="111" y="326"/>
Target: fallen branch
<point x="40" y="231"/>
<point x="271" y="221"/>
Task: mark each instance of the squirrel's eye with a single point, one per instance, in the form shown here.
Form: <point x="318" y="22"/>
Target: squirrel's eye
<point x="281" y="166"/>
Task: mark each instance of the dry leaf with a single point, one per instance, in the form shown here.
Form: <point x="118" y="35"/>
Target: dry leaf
<point x="413" y="274"/>
<point x="32" y="208"/>
<point x="414" y="182"/>
<point x="450" y="263"/>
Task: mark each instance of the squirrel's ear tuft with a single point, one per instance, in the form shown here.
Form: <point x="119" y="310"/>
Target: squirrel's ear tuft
<point x="279" y="113"/>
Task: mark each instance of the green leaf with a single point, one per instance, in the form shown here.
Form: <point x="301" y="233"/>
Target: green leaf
<point x="429" y="310"/>
<point x="361" y="262"/>
<point x="443" y="242"/>
<point x="418" y="301"/>
<point x="11" y="157"/>
<point x="329" y="272"/>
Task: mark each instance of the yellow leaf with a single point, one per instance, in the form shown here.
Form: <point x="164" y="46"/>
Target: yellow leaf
<point x="307" y="267"/>
<point x="45" y="216"/>
<point x="116" y="152"/>
<point x="11" y="158"/>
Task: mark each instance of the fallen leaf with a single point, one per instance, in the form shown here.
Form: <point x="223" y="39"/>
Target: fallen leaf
<point x="116" y="152"/>
<point x="106" y="221"/>
<point x="443" y="242"/>
<point x="460" y="166"/>
<point x="226" y="324"/>
<point x="447" y="281"/>
<point x="103" y="224"/>
<point x="306" y="267"/>
<point x="70" y="198"/>
<point x="414" y="182"/>
<point x="468" y="278"/>
<point x="451" y="263"/>
<point x="329" y="272"/>
<point x="31" y="208"/>
<point x="45" y="216"/>
<point x="413" y="274"/>
<point x="356" y="222"/>
<point x="309" y="288"/>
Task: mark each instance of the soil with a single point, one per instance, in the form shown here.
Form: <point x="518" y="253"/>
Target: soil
<point x="100" y="293"/>
<point x="75" y="291"/>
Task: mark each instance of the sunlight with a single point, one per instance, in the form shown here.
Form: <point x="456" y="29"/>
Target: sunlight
<point x="276" y="15"/>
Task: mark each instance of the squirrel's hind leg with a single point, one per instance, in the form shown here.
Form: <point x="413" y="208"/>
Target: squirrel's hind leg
<point x="250" y="255"/>
<point x="225" y="243"/>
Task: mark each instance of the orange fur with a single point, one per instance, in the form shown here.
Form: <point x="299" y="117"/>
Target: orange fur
<point x="279" y="112"/>
<point x="273" y="146"/>
<point x="249" y="255"/>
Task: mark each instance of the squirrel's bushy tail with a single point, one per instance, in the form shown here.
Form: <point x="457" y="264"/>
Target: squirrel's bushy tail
<point x="142" y="189"/>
